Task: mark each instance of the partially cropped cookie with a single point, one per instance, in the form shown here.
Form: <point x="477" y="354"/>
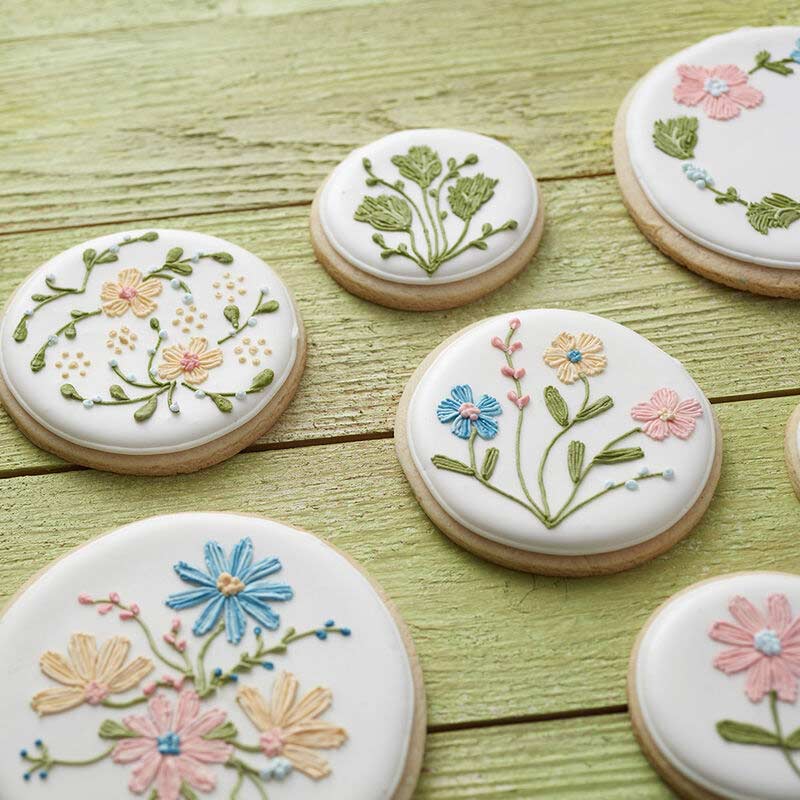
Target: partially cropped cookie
<point x="427" y="219"/>
<point x="208" y="656"/>
<point x="706" y="155"/>
<point x="558" y="442"/>
<point x="150" y="352"/>
<point x="712" y="688"/>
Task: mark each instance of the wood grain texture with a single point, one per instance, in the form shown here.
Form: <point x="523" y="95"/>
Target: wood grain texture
<point x="572" y="759"/>
<point x="494" y="643"/>
<point x="237" y="112"/>
<point x="592" y="258"/>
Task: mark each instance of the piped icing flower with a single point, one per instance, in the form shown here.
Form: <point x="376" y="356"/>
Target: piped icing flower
<point x="231" y="588"/>
<point x="795" y="54"/>
<point x="723" y="90"/>
<point x="666" y="414"/>
<point x="88" y="676"/>
<point x="767" y="647"/>
<point x="572" y="357"/>
<point x="169" y="749"/>
<point x="192" y="362"/>
<point x="129" y="291"/>
<point x="460" y="409"/>
<point x="291" y="728"/>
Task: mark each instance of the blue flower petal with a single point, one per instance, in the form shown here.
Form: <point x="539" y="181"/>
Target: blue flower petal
<point x="461" y="428"/>
<point x="190" y="598"/>
<point x="487" y="427"/>
<point x="268" y="591"/>
<point x="235" y="622"/>
<point x="259" y="611"/>
<point x="447" y="410"/>
<point x="241" y="557"/>
<point x="795" y="55"/>
<point x="190" y="574"/>
<point x="261" y="569"/>
<point x="489" y="405"/>
<point x="215" y="560"/>
<point x="211" y="614"/>
<point x="462" y="393"/>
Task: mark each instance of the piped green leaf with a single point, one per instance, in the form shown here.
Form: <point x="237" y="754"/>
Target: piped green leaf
<point x="117" y="392"/>
<point x="38" y="298"/>
<point x="150" y="236"/>
<point x="38" y="361"/>
<point x="677" y="137"/>
<point x="793" y="739"/>
<point x="489" y="463"/>
<point x="745" y="733"/>
<point x="173" y="254"/>
<point x="21" y="331"/>
<point x="222" y="403"/>
<point x="222" y="258"/>
<point x="773" y="211"/>
<point x="89" y="256"/>
<point x="231" y="314"/>
<point x="155" y="324"/>
<point x="619" y="455"/>
<point x="110" y="729"/>
<point x="594" y="409"/>
<point x="70" y="331"/>
<point x="445" y="462"/>
<point x="70" y="392"/>
<point x="575" y="455"/>
<point x="144" y="412"/>
<point x="225" y="731"/>
<point x="384" y="212"/>
<point x="268" y="307"/>
<point x="421" y="164"/>
<point x="180" y="269"/>
<point x="467" y="195"/>
<point x="187" y="793"/>
<point x="262" y="380"/>
<point x="556" y="405"/>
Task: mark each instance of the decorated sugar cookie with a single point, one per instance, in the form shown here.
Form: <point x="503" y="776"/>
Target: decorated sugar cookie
<point x="151" y="352"/>
<point x="208" y="655"/>
<point x="427" y="219"/>
<point x="792" y="449"/>
<point x="712" y="688"/>
<point x="558" y="442"/>
<point x="705" y="151"/>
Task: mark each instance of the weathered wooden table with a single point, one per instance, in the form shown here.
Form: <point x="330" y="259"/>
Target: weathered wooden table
<point x="224" y="116"/>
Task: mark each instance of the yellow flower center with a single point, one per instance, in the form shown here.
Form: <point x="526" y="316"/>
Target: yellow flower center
<point x="229" y="585"/>
<point x="666" y="415"/>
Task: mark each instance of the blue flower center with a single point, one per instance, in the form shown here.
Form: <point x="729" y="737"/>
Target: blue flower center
<point x="575" y="356"/>
<point x="169" y="744"/>
<point x="768" y="642"/>
<point x="716" y="86"/>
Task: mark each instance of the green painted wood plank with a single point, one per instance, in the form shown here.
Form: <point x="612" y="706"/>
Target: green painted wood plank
<point x="242" y="112"/>
<point x="494" y="643"/>
<point x="360" y="354"/>
<point x="595" y="758"/>
<point x="34" y="18"/>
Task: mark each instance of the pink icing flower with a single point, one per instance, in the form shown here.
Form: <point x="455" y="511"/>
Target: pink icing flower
<point x="170" y="749"/>
<point x="767" y="647"/>
<point x="665" y="414"/>
<point x="723" y="90"/>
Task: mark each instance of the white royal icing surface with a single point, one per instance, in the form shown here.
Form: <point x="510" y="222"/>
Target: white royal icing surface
<point x="514" y="198"/>
<point x="756" y="152"/>
<point x="113" y="428"/>
<point x="368" y="672"/>
<point x="682" y="695"/>
<point x="635" y="369"/>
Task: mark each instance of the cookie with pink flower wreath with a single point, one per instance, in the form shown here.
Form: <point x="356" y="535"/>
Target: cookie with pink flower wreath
<point x="210" y="656"/>
<point x="558" y="442"/>
<point x="704" y="149"/>
<point x="150" y="352"/>
<point x="712" y="688"/>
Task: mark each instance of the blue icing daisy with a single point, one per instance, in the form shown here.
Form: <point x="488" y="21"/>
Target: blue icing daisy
<point x="464" y="413"/>
<point x="232" y="586"/>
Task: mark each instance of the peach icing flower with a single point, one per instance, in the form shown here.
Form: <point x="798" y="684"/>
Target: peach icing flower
<point x="129" y="291"/>
<point x="88" y="676"/>
<point x="192" y="362"/>
<point x="665" y="414"/>
<point x="723" y="90"/>
<point x="575" y="357"/>
<point x="169" y="749"/>
<point x="767" y="647"/>
<point x="290" y="728"/>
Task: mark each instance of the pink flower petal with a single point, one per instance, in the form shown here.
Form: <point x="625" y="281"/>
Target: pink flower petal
<point x="195" y="774"/>
<point x="187" y="709"/>
<point x="783" y="682"/>
<point x="209" y="752"/>
<point x="689" y="408"/>
<point x="656" y="429"/>
<point x="730" y="73"/>
<point x="142" y="725"/>
<point x="665" y="398"/>
<point x="644" y="412"/>
<point x="747" y="96"/>
<point x="130" y="750"/>
<point x="759" y="680"/>
<point x="736" y="659"/>
<point x="204" y="724"/>
<point x="791" y="636"/>
<point x="161" y="713"/>
<point x="145" y="772"/>
<point x="681" y="427"/>
<point x="168" y="779"/>
<point x="791" y="657"/>
<point x="727" y="633"/>
<point x="692" y="73"/>
<point x="721" y="107"/>
<point x="779" y="612"/>
<point x="747" y="615"/>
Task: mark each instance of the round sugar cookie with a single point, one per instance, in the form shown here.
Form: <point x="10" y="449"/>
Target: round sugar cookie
<point x="705" y="154"/>
<point x="208" y="656"/>
<point x="427" y="219"/>
<point x="150" y="352"/>
<point x="792" y="449"/>
<point x="558" y="442"/>
<point x="712" y="688"/>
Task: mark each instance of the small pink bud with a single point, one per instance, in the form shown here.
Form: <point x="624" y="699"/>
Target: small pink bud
<point x="176" y="625"/>
<point x="114" y="597"/>
<point x="105" y="608"/>
<point x="523" y="401"/>
<point x="507" y="371"/>
<point x="167" y="680"/>
<point x="498" y="343"/>
<point x="178" y="682"/>
<point x="169" y="638"/>
<point x="85" y="599"/>
<point x="149" y="689"/>
<point x="126" y="615"/>
<point x="181" y="646"/>
<point x="515" y="346"/>
<point x="514" y="324"/>
<point x="519" y="373"/>
<point x="135" y="609"/>
<point x="512" y="396"/>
